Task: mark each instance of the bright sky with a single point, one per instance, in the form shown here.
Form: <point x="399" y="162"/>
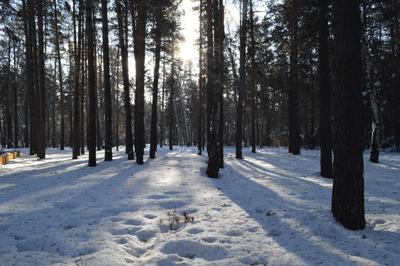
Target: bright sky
<point x="190" y="27"/>
<point x="190" y="31"/>
<point x="188" y="51"/>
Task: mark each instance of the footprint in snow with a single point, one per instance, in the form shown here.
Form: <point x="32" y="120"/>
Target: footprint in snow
<point x="233" y="233"/>
<point x="157" y="196"/>
<point x="172" y="204"/>
<point x="191" y="249"/>
<point x="195" y="231"/>
<point x="116" y="219"/>
<point x="145" y="235"/>
<point x="135" y="252"/>
<point x="172" y="192"/>
<point x="252" y="229"/>
<point x="122" y="241"/>
<point x="210" y="239"/>
<point x="379" y="221"/>
<point x="150" y="216"/>
<point x="133" y="222"/>
<point x="124" y="231"/>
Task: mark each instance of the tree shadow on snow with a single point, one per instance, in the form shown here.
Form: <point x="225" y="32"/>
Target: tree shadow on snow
<point x="301" y="224"/>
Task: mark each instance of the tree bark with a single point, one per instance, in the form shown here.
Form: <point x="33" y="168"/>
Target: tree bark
<point x="60" y="76"/>
<point x="348" y="182"/>
<point x="242" y="82"/>
<point x="77" y="64"/>
<point x="170" y="104"/>
<point x="41" y="128"/>
<point x="139" y="96"/>
<point x="325" y="127"/>
<point x="294" y="123"/>
<point x="252" y="81"/>
<point x="125" y="77"/>
<point x="107" y="86"/>
<point x="157" y="39"/>
<point x="91" y="84"/>
<point x="215" y="107"/>
<point x="201" y="82"/>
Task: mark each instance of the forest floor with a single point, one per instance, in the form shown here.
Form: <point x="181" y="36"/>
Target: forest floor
<point x="270" y="208"/>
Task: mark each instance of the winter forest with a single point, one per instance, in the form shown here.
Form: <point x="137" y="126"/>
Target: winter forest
<point x="199" y="132"/>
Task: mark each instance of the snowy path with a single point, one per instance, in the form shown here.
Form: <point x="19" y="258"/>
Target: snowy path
<point x="271" y="208"/>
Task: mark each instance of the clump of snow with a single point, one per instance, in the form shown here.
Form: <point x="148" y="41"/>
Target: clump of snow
<point x="270" y="208"/>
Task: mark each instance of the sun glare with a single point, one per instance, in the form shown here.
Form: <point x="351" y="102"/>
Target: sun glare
<point x="187" y="49"/>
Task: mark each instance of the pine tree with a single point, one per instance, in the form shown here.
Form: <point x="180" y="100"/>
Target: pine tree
<point x="325" y="127"/>
<point x="171" y="117"/>
<point x="107" y="86"/>
<point x="77" y="63"/>
<point x="139" y="95"/>
<point x="125" y="76"/>
<point x="253" y="92"/>
<point x="348" y="182"/>
<point x="201" y="83"/>
<point x="242" y="82"/>
<point x="91" y="128"/>
<point x="215" y="98"/>
<point x="60" y="76"/>
<point x="294" y="124"/>
<point x="157" y="52"/>
<point x="41" y="92"/>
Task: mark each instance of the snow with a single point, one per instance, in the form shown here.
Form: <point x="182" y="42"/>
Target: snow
<point x="270" y="208"/>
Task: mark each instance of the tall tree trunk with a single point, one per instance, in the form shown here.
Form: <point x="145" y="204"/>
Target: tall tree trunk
<point x="348" y="182"/>
<point x="139" y="96"/>
<point x="60" y="76"/>
<point x="201" y="82"/>
<point x="107" y="86"/>
<point x="117" y="103"/>
<point x="162" y="124"/>
<point x="170" y="105"/>
<point x="210" y="66"/>
<point x="53" y="109"/>
<point x="41" y="135"/>
<point x="395" y="40"/>
<point x="157" y="39"/>
<point x="28" y="81"/>
<point x="221" y="59"/>
<point x="91" y="84"/>
<point x="83" y="100"/>
<point x="99" y="141"/>
<point x="31" y="76"/>
<point x="371" y="87"/>
<point x="253" y="93"/>
<point x="215" y="141"/>
<point x="8" y="104"/>
<point x="15" y="87"/>
<point x="77" y="64"/>
<point x="325" y="127"/>
<point x="242" y="82"/>
<point x="125" y="77"/>
<point x="294" y="123"/>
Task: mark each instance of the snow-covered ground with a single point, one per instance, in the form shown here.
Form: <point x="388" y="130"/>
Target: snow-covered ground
<point x="270" y="208"/>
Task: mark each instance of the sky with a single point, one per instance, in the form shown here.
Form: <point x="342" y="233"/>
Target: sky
<point x="190" y="27"/>
<point x="188" y="51"/>
<point x="190" y="31"/>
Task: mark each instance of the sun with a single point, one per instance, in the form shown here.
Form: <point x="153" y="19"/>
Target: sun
<point x="187" y="49"/>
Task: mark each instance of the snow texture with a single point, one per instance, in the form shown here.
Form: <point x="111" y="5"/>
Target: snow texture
<point x="271" y="208"/>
